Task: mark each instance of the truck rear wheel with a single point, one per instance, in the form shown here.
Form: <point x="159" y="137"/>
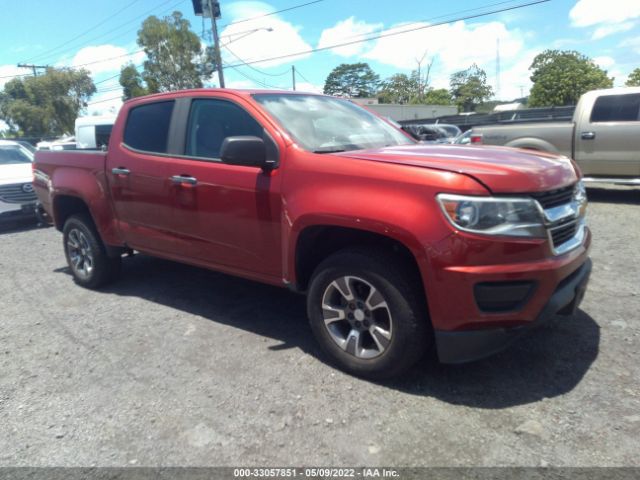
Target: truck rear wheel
<point x="86" y="255"/>
<point x="367" y="313"/>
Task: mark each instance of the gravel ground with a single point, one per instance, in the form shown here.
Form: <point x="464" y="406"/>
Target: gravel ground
<point x="174" y="365"/>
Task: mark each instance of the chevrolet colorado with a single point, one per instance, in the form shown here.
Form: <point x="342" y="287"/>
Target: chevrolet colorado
<point x="603" y="138"/>
<point x="400" y="247"/>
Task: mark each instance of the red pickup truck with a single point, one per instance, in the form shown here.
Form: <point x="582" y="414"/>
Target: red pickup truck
<point x="400" y="247"/>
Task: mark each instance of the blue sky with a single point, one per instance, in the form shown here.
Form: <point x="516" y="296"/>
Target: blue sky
<point x="103" y="35"/>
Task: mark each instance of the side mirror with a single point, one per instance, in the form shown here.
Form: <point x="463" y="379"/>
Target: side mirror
<point x="244" y="150"/>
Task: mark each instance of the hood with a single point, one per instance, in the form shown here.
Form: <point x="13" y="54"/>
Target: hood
<point x="501" y="169"/>
<point x="15" y="173"/>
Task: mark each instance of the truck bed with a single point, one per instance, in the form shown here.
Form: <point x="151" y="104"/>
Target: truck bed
<point x="554" y="137"/>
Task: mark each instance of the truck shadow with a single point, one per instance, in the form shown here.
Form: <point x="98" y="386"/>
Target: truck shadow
<point x="622" y="195"/>
<point x="549" y="362"/>
<point x="21" y="225"/>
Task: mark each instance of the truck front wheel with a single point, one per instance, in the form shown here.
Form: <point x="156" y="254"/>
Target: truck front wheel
<point x="86" y="255"/>
<point x="367" y="313"/>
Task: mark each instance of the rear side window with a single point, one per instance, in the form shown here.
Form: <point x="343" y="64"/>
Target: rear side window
<point x="147" y="127"/>
<point x="616" y="108"/>
<point x="211" y="121"/>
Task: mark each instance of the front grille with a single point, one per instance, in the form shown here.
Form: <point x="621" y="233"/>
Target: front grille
<point x="554" y="198"/>
<point x="15" y="194"/>
<point x="563" y="232"/>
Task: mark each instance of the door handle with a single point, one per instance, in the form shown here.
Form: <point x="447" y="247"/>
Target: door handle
<point x="120" y="171"/>
<point x="179" y="179"/>
<point x="588" y="135"/>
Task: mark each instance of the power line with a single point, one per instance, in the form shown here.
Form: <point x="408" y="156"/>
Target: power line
<point x="99" y="24"/>
<point x="254" y="68"/>
<point x="105" y="100"/>
<point x="430" y="19"/>
<point x="307" y="80"/>
<point x="263" y="84"/>
<point x="116" y="28"/>
<point x="272" y="13"/>
<point x="391" y="34"/>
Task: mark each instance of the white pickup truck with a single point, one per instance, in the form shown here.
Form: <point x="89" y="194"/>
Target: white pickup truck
<point x="603" y="137"/>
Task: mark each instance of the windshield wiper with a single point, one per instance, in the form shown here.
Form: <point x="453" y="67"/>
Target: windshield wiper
<point x="329" y="150"/>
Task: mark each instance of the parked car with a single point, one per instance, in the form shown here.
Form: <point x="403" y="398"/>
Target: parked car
<point x="603" y="138"/>
<point x="17" y="197"/>
<point x="463" y="138"/>
<point x="453" y="131"/>
<point x="400" y="247"/>
<point x="427" y="133"/>
<point x="26" y="145"/>
<point x="94" y="131"/>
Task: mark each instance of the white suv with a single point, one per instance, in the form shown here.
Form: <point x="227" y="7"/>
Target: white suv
<point x="17" y="198"/>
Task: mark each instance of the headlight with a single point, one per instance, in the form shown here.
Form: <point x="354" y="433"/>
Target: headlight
<point x="518" y="217"/>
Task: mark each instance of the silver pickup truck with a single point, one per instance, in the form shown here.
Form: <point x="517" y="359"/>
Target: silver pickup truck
<point x="603" y="137"/>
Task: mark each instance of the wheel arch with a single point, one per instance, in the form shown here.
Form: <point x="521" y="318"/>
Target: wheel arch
<point x="314" y="243"/>
<point x="533" y="144"/>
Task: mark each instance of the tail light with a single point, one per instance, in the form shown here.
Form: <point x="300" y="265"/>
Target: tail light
<point x="476" y="139"/>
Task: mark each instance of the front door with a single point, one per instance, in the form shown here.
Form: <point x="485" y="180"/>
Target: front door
<point x="608" y="141"/>
<point x="225" y="215"/>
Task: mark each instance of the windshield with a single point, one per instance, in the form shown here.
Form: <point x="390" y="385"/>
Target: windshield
<point x="326" y="124"/>
<point x="10" y="154"/>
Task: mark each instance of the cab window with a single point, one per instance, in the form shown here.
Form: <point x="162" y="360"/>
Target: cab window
<point x="211" y="121"/>
<point x="616" y="108"/>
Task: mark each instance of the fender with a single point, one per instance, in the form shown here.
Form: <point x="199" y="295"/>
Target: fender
<point x="90" y="187"/>
<point x="408" y="219"/>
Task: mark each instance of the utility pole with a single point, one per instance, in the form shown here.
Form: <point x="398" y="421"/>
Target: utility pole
<point x="33" y="67"/>
<point x="293" y="76"/>
<point x="214" y="14"/>
<point x="211" y="9"/>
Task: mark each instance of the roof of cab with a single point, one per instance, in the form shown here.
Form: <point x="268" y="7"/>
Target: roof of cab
<point x="245" y="92"/>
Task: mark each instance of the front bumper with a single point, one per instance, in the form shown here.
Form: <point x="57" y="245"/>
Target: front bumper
<point x="11" y="211"/>
<point x="468" y="345"/>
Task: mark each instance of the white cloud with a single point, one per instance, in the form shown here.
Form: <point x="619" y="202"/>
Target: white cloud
<point x="346" y="31"/>
<point x="103" y="58"/>
<point x="456" y="46"/>
<point x="450" y="44"/>
<point x="606" y="30"/>
<point x="308" y="87"/>
<point x="586" y="13"/>
<point x="604" y="61"/>
<point x="105" y="102"/>
<point x="514" y="80"/>
<point x="632" y="43"/>
<point x="8" y="72"/>
<point x="264" y="37"/>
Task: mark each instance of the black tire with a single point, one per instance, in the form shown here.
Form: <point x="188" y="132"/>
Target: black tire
<point x="80" y="230"/>
<point x="409" y="331"/>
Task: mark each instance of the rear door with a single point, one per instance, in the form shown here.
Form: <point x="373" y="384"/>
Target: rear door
<point x="608" y="137"/>
<point x="226" y="215"/>
<point x="137" y="173"/>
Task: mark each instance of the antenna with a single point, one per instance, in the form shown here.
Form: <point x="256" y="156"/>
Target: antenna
<point x="497" y="68"/>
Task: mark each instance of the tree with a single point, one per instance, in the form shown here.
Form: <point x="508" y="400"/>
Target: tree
<point x="352" y="80"/>
<point x="438" y="96"/>
<point x="469" y="88"/>
<point x="399" y="88"/>
<point x="175" y="58"/>
<point x="634" y="79"/>
<point x="47" y="104"/>
<point x="131" y="81"/>
<point x="560" y="77"/>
